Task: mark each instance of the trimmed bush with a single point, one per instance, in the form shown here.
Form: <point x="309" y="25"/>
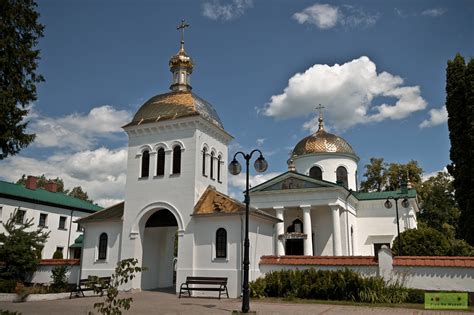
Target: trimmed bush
<point x="58" y="255"/>
<point x="344" y="285"/>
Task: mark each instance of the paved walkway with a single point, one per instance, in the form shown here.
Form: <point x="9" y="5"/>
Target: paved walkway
<point x="149" y="302"/>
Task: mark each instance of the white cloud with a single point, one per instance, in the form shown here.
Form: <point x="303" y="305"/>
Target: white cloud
<point x="101" y="172"/>
<point x="238" y="181"/>
<point x="429" y="175"/>
<point x="400" y="13"/>
<point x="215" y="10"/>
<point x="323" y="16"/>
<point x="437" y="117"/>
<point x="352" y="93"/>
<point x="260" y="142"/>
<point x="77" y="131"/>
<point x="434" y="12"/>
<point x="326" y="16"/>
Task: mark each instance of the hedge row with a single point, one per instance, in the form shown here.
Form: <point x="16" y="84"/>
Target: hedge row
<point x="344" y="284"/>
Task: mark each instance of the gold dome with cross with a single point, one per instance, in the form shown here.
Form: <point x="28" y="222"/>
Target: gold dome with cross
<point x="322" y="142"/>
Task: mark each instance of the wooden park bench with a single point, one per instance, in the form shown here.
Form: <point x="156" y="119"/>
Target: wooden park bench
<point x="81" y="287"/>
<point x="195" y="284"/>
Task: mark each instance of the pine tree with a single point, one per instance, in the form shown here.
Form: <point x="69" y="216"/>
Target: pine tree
<point x="19" y="34"/>
<point x="21" y="248"/>
<point x="460" y="107"/>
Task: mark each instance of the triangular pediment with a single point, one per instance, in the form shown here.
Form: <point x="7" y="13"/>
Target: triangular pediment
<point x="292" y="180"/>
<point x="213" y="201"/>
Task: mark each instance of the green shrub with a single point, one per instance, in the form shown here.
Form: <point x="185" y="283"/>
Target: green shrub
<point x="257" y="288"/>
<point x="59" y="276"/>
<point x="344" y="284"/>
<point x="58" y="255"/>
<point x="7" y="286"/>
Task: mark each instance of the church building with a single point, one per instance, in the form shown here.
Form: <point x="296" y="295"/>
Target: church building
<point x="178" y="220"/>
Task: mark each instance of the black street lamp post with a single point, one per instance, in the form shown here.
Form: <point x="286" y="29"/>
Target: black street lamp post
<point x="261" y="166"/>
<point x="405" y="204"/>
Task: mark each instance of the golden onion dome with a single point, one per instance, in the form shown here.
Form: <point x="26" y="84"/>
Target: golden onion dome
<point x="181" y="59"/>
<point x="173" y="105"/>
<point x="322" y="142"/>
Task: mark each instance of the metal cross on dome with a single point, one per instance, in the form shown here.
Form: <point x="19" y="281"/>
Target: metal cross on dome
<point x="320" y="108"/>
<point x="181" y="27"/>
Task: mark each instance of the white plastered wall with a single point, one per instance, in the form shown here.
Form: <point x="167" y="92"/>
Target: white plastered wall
<point x="206" y="263"/>
<point x="57" y="237"/>
<point x="90" y="263"/>
<point x="376" y="224"/>
<point x="328" y="164"/>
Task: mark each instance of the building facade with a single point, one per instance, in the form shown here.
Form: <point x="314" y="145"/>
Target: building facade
<point x="50" y="210"/>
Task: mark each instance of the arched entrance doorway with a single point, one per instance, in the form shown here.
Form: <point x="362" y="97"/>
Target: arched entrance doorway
<point x="159" y="250"/>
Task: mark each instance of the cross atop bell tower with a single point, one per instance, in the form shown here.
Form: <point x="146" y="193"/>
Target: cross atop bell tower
<point x="181" y="65"/>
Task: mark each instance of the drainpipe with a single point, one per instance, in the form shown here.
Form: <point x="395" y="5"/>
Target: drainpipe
<point x="347" y="225"/>
<point x="69" y="235"/>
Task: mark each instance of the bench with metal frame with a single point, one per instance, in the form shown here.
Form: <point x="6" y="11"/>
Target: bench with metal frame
<point x="81" y="287"/>
<point x="190" y="283"/>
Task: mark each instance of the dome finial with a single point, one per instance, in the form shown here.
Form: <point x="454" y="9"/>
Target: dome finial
<point x="181" y="27"/>
<point x="181" y="65"/>
<point x="320" y="119"/>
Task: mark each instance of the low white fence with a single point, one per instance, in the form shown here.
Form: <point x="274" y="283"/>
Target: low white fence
<point x="44" y="271"/>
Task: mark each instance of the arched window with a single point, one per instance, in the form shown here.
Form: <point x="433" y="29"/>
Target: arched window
<point x="204" y="153"/>
<point x="296" y="227"/>
<point x="341" y="176"/>
<point x="103" y="246"/>
<point x="316" y="173"/>
<point x="160" y="162"/>
<point x="177" y="159"/>
<point x="221" y="243"/>
<point x="219" y="160"/>
<point x="211" y="166"/>
<point x="145" y="163"/>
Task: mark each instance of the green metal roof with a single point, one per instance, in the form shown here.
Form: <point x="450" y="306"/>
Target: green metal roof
<point x="377" y="195"/>
<point x="78" y="242"/>
<point x="42" y="196"/>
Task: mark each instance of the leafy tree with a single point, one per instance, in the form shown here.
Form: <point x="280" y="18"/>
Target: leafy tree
<point x="423" y="241"/>
<point x="21" y="248"/>
<point x="125" y="271"/>
<point x="460" y="107"/>
<point x="382" y="176"/>
<point x="77" y="192"/>
<point x="437" y="202"/>
<point x="375" y="174"/>
<point x="20" y="32"/>
<point x="397" y="173"/>
<point x="426" y="241"/>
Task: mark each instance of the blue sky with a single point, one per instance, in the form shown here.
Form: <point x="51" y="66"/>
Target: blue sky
<point x="378" y="67"/>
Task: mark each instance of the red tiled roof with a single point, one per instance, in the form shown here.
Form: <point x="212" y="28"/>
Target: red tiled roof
<point x="434" y="261"/>
<point x="56" y="262"/>
<point x="319" y="260"/>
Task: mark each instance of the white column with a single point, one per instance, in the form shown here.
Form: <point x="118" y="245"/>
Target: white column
<point x="336" y="231"/>
<point x="279" y="230"/>
<point x="308" y="230"/>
